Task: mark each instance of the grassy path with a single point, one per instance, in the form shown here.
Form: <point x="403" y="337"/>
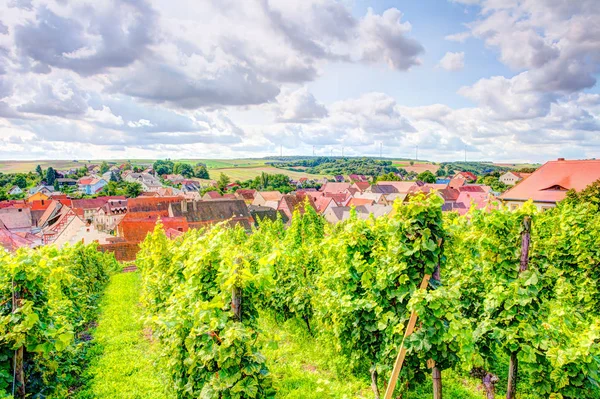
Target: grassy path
<point x="122" y="364"/>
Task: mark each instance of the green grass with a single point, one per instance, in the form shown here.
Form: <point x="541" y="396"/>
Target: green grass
<point x="304" y="367"/>
<point x="123" y="360"/>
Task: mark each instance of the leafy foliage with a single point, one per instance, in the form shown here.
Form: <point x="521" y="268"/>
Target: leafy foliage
<point x="191" y="288"/>
<point x="55" y="297"/>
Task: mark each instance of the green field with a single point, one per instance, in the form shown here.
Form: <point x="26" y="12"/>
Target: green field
<point x="236" y="169"/>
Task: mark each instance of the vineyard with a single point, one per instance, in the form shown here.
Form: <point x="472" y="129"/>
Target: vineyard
<point x="508" y="299"/>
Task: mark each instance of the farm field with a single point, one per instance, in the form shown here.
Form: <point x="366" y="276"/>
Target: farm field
<point x="418" y="167"/>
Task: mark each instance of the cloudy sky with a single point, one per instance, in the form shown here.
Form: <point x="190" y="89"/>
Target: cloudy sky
<point x="505" y="80"/>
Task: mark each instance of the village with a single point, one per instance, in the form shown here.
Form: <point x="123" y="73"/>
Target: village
<point x="47" y="216"/>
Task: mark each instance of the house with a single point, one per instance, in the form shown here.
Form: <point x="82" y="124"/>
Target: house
<point x="359" y="201"/>
<point x="12" y="241"/>
<point x="212" y="195"/>
<point x="291" y="203"/>
<point x="357" y="178"/>
<point x="341" y="213"/>
<point x="550" y="183"/>
<point x="511" y="178"/>
<point x="16" y="220"/>
<point x="173" y="178"/>
<point x="38" y="196"/>
<point x="152" y="207"/>
<point x="146" y="180"/>
<point x="135" y="230"/>
<point x="376" y="198"/>
<point x="360" y="186"/>
<point x="259" y="213"/>
<point x="468" y="176"/>
<point x="391" y="187"/>
<point x="15" y="190"/>
<point x="338" y="178"/>
<point x="110" y="214"/>
<point x="246" y="195"/>
<point x="87" y="209"/>
<point x="205" y="213"/>
<point x="266" y="198"/>
<point x="65" y="182"/>
<point x="47" y="190"/>
<point x="91" y="185"/>
<point x="323" y="204"/>
<point x="64" y="227"/>
<point x="478" y="199"/>
<point x="335" y="187"/>
<point x="190" y="186"/>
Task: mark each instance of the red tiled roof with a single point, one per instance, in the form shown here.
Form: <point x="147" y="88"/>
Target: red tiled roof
<point x="150" y="204"/>
<point x="470" y="189"/>
<point x="136" y="230"/>
<point x="93" y="203"/>
<point x="246" y="194"/>
<point x="400" y="186"/>
<point x="466" y="175"/>
<point x="335" y="187"/>
<point x="270" y="195"/>
<point x="321" y="203"/>
<point x="552" y="180"/>
<point x="360" y="201"/>
<point x="213" y="194"/>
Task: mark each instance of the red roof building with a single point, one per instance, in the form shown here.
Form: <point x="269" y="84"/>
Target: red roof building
<point x="550" y="183"/>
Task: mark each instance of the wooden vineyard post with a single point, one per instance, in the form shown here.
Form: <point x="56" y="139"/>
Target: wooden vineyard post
<point x="513" y="367"/>
<point x="402" y="353"/>
<point x="436" y="376"/>
<point x="236" y="297"/>
<point x="18" y="372"/>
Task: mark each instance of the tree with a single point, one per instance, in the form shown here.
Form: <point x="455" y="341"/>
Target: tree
<point x="163" y="167"/>
<point x="113" y="177"/>
<point x="3" y="194"/>
<point x="104" y="167"/>
<point x="50" y="176"/>
<point x="426" y="177"/>
<point x="441" y="172"/>
<point x="184" y="169"/>
<point x="39" y="171"/>
<point x="133" y="189"/>
<point x="389" y="177"/>
<point x="494" y="183"/>
<point x="201" y="172"/>
<point x="223" y="182"/>
<point x="412" y="163"/>
<point x="56" y="186"/>
<point x="111" y="188"/>
<point x="20" y="180"/>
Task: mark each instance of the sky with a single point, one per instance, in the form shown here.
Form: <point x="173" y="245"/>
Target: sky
<point x="489" y="80"/>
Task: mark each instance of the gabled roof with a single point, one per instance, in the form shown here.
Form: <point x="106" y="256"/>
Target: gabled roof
<point x="209" y="212"/>
<point x="360" y="201"/>
<point x="136" y="230"/>
<point x="261" y="212"/>
<point x="213" y="194"/>
<point x="466" y="175"/>
<point x="399" y="186"/>
<point x="246" y="194"/>
<point x="94" y="203"/>
<point x="335" y="187"/>
<point x="321" y="203"/>
<point x="542" y="185"/>
<point x="296" y="202"/>
<point x="270" y="195"/>
<point x="361" y="185"/>
<point x="15" y="218"/>
<point x="12" y="241"/>
<point x="150" y="204"/>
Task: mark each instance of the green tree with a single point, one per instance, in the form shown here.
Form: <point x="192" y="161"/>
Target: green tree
<point x="163" y="167"/>
<point x="50" y="176"/>
<point x="223" y="182"/>
<point x="112" y="188"/>
<point x="39" y="171"/>
<point x="388" y="177"/>
<point x="183" y="169"/>
<point x="104" y="167"/>
<point x="201" y="172"/>
<point x="20" y="180"/>
<point x="133" y="189"/>
<point x="113" y="177"/>
<point x="426" y="177"/>
<point x="3" y="194"/>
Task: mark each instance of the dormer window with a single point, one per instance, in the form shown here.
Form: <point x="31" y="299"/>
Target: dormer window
<point x="556" y="187"/>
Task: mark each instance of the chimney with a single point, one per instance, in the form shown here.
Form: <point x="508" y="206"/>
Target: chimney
<point x="184" y="206"/>
<point x="194" y="205"/>
<point x="561" y="159"/>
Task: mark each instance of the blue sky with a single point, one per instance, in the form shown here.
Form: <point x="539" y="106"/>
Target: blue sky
<point x="227" y="79"/>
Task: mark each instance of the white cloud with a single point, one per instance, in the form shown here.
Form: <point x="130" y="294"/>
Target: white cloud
<point x="458" y="37"/>
<point x="453" y="61"/>
<point x="299" y="106"/>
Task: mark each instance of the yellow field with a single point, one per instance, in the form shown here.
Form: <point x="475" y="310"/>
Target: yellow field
<point x="251" y="172"/>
